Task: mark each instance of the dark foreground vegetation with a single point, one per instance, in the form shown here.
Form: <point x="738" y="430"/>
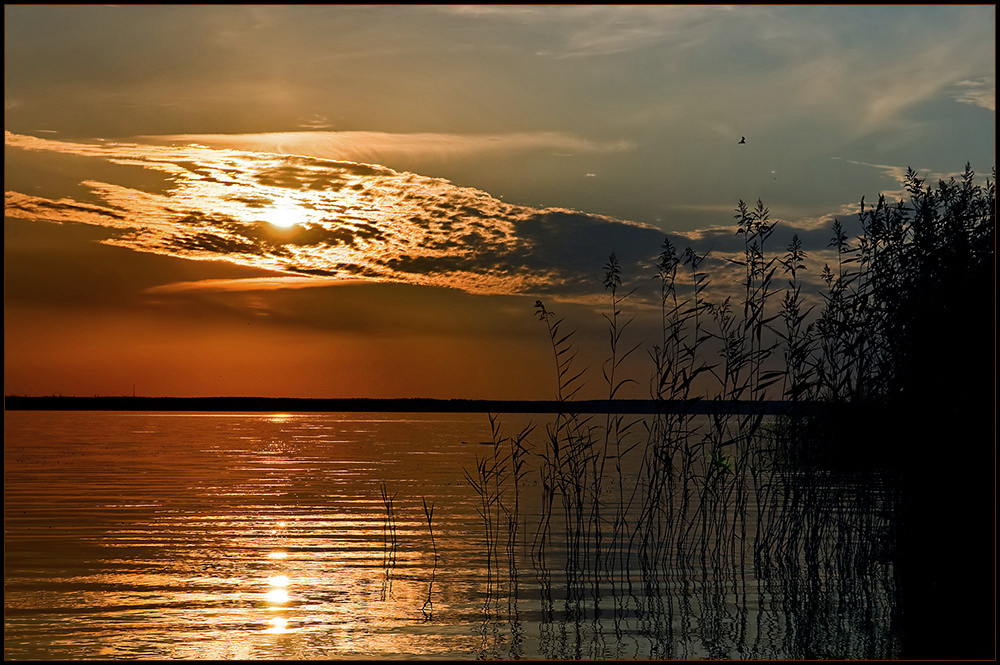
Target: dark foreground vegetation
<point x="812" y="475"/>
<point x="873" y="517"/>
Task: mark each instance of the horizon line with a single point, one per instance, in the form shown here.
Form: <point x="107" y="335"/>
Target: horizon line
<point x="404" y="404"/>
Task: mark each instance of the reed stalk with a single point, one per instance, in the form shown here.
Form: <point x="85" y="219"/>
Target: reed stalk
<point x="390" y="542"/>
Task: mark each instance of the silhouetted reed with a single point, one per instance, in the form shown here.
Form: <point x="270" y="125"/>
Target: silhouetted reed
<point x="497" y="481"/>
<point x="390" y="540"/>
<point x="428" y="607"/>
<point x="616" y="429"/>
<point x="801" y="511"/>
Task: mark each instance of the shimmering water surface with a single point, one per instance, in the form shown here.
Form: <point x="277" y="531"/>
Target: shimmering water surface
<point x="360" y="535"/>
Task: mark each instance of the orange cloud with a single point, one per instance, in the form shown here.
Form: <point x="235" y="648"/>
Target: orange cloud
<point x="320" y="219"/>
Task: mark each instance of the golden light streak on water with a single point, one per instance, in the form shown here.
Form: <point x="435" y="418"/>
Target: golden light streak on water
<point x="278" y="625"/>
<point x="278" y="581"/>
<point x="215" y="532"/>
<point x="277" y="596"/>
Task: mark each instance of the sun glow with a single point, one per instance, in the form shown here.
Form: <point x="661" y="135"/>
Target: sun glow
<point x="284" y="215"/>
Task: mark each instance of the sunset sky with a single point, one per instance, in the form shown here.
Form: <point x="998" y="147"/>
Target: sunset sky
<point x="367" y="201"/>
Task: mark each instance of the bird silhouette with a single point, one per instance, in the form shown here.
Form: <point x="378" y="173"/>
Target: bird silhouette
<point x="743" y="139"/>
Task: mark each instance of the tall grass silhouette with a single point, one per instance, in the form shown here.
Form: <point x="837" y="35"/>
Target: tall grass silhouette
<point x="802" y="506"/>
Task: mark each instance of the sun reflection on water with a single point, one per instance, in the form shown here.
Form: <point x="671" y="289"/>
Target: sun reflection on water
<point x="281" y="552"/>
<point x="278" y="580"/>
<point x="277" y="596"/>
<point x="277" y="625"/>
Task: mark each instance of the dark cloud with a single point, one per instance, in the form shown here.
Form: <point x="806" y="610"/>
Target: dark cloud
<point x="212" y="243"/>
<point x="316" y="272"/>
<point x="37" y="206"/>
<point x="575" y="246"/>
<point x="318" y="174"/>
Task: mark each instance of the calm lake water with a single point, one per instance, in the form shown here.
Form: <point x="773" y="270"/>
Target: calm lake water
<point x="362" y="535"/>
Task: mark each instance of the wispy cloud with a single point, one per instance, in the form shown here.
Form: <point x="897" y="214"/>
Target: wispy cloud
<point x="881" y="96"/>
<point x="981" y="92"/>
<point x="897" y="174"/>
<point x="589" y="30"/>
<point x="382" y="147"/>
<point x="245" y="284"/>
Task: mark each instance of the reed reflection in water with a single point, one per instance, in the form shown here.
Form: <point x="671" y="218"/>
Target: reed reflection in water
<point x="251" y="536"/>
<point x="760" y="557"/>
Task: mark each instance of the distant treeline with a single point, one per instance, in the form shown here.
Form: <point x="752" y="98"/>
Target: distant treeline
<point x="402" y="405"/>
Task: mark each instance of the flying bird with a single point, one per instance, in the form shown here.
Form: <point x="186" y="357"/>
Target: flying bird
<point x="743" y="139"/>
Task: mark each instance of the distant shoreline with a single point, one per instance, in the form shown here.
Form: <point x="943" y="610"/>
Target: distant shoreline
<point x="400" y="405"/>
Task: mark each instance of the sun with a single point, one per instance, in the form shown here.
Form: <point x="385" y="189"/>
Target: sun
<point x="284" y="215"/>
